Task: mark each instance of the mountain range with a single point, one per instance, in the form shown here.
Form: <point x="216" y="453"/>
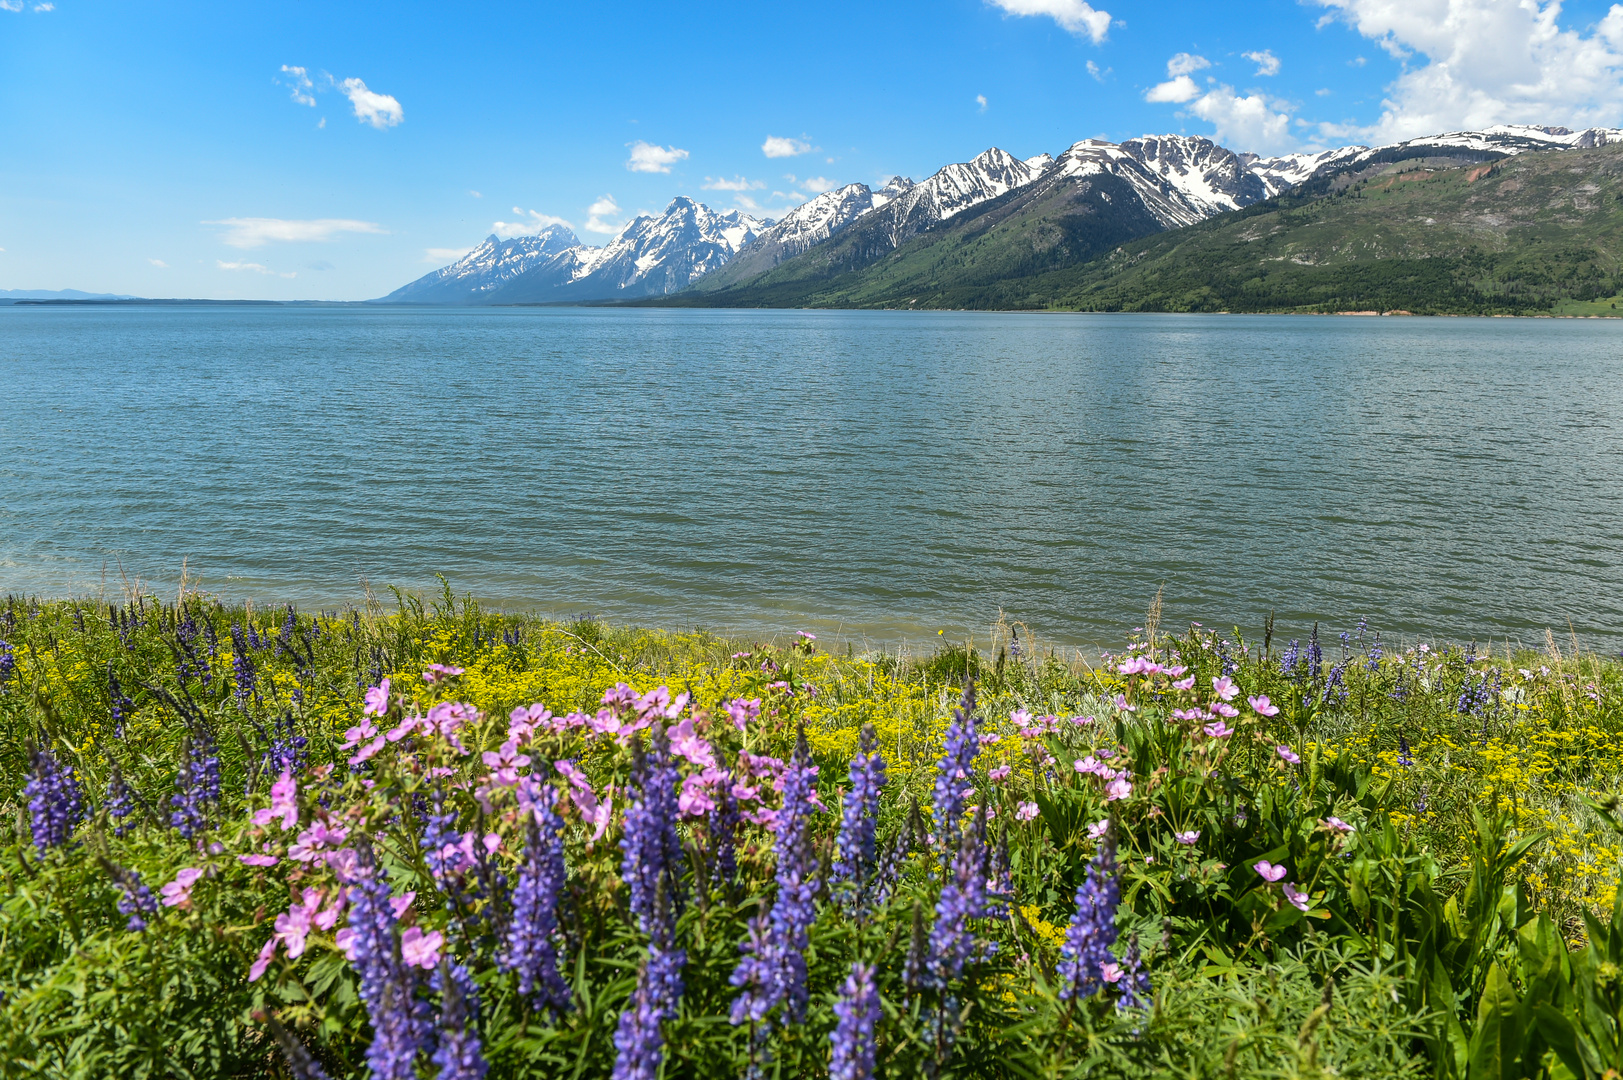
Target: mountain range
<point x="980" y="227"/>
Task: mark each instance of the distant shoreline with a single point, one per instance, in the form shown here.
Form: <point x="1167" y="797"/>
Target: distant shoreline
<point x="644" y="304"/>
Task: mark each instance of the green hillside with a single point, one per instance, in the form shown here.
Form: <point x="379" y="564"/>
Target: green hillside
<point x="1535" y="233"/>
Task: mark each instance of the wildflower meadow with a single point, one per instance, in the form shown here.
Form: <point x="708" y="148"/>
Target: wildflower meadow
<point x="434" y="841"/>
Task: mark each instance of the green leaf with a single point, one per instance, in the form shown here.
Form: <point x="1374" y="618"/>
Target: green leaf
<point x="1496" y="1044"/>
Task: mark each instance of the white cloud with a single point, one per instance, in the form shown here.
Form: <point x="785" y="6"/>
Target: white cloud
<point x="980" y="99"/>
<point x="737" y="183"/>
<point x="1186" y="64"/>
<point x="159" y="263"/>
<point x="45" y="7"/>
<point x="298" y="80"/>
<point x="1323" y="91"/>
<point x="1472" y="63"/>
<point x="777" y="146"/>
<point x="11" y="5"/>
<point x="814" y="184"/>
<point x="444" y="255"/>
<point x="1098" y="75"/>
<point x="601" y="210"/>
<point x="476" y="194"/>
<point x="379" y="110"/>
<point x="1181" y="89"/>
<point x="529" y="223"/>
<point x="254" y="267"/>
<point x="1245" y="122"/>
<point x="1077" y="16"/>
<point x="254" y="232"/>
<point x="647" y="157"/>
<point x="1267" y="63"/>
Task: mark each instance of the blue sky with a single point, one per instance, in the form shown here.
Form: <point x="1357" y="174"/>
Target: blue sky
<point x="172" y="149"/>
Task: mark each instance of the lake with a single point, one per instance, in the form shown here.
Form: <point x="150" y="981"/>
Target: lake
<point x="869" y="475"/>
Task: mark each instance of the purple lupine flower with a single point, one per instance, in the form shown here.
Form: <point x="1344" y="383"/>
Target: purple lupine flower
<point x="118" y="802"/>
<point x="653" y="856"/>
<point x="459" y="1054"/>
<point x="136" y="900"/>
<point x="1290" y="658"/>
<point x="775" y="972"/>
<point x="652" y="865"/>
<point x="400" y="1023"/>
<point x="284" y="640"/>
<point x="120" y="703"/>
<point x="1134" y="985"/>
<point x="854" y="858"/>
<point x="953" y="771"/>
<point x="1315" y="655"/>
<point x="528" y="946"/>
<point x="1093" y="928"/>
<point x="1000" y="881"/>
<point x="853" y="1038"/>
<point x="300" y="1065"/>
<point x="197" y="784"/>
<point x="963" y="898"/>
<point x="285" y="747"/>
<point x="54" y="801"/>
<point x="8" y="663"/>
<point x="242" y="664"/>
<point x="889" y="871"/>
<point x="722" y="825"/>
<point x="916" y="969"/>
<point x="638" y="1041"/>
<point x="212" y="639"/>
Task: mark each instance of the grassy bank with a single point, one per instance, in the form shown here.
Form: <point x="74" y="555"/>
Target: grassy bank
<point x="1318" y="856"/>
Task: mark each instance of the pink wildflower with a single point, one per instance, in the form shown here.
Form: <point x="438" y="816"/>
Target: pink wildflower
<point x="685" y="743"/>
<point x="1097" y="830"/>
<point x="1223" y="709"/>
<point x="284" y="805"/>
<point x="1187" y="839"/>
<point x="1119" y="788"/>
<point x="178" y="893"/>
<point x="1026" y="811"/>
<point x="743" y="710"/>
<point x="1297" y="897"/>
<point x="1224" y="687"/>
<point x="1110" y="971"/>
<point x="1262" y="706"/>
<point x="258" y="860"/>
<point x="377" y="700"/>
<point x="506" y="763"/>
<point x="439" y="673"/>
<point x="1123" y="706"/>
<point x="1337" y="825"/>
<point x="1288" y="755"/>
<point x="419" y="949"/>
<point x="1184" y="684"/>
<point x="999" y="774"/>
<point x="1269" y="871"/>
<point x="1219" y="730"/>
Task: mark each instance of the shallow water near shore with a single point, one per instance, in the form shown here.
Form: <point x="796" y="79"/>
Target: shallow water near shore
<point x="868" y="474"/>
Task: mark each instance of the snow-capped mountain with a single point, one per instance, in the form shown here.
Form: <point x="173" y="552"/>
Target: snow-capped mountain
<point x="493" y="264"/>
<point x="810" y="224"/>
<point x="1180" y="179"/>
<point x="655" y="256"/>
<point x="651" y="256"/>
<point x="956" y="188"/>
<point x="1501" y="140"/>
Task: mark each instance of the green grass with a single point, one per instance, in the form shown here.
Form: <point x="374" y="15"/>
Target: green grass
<point x="1478" y="786"/>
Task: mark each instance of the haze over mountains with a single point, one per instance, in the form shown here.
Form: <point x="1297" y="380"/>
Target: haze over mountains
<point x="976" y="225"/>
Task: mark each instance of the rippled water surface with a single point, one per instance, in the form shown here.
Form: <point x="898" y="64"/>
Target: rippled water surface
<point x="890" y="474"/>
